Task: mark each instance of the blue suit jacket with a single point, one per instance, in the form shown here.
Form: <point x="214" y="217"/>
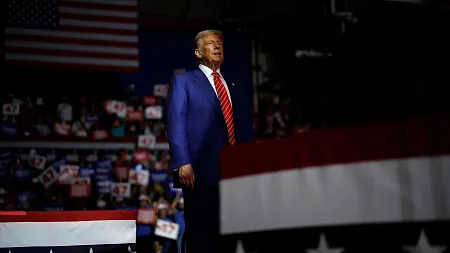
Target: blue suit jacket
<point x="196" y="127"/>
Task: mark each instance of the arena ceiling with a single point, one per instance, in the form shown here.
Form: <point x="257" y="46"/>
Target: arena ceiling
<point x="179" y="12"/>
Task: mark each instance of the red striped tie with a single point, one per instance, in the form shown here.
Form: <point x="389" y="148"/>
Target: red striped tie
<point x="226" y="107"/>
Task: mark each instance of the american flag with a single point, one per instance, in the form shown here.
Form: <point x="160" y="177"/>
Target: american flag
<point x="74" y="34"/>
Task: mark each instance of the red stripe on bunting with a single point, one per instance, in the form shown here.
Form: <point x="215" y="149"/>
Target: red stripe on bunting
<point x="68" y="216"/>
<point x="424" y="136"/>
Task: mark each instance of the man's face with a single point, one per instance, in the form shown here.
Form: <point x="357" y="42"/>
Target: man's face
<point x="212" y="50"/>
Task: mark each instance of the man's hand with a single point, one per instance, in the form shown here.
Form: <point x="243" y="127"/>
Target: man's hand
<point x="186" y="176"/>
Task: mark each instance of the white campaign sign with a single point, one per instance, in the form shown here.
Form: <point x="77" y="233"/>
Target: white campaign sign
<point x="146" y="141"/>
<point x="121" y="190"/>
<point x="37" y="161"/>
<point x="160" y="90"/>
<point x="11" y="109"/>
<point x="153" y="112"/>
<point x="167" y="229"/>
<point x="116" y="107"/>
<point x="139" y="177"/>
<point x="67" y="173"/>
<point x="48" y="177"/>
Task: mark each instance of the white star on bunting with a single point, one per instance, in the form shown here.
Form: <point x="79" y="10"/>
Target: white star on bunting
<point x="423" y="246"/>
<point x="323" y="247"/>
<point x="129" y="250"/>
<point x="240" y="247"/>
<point x="91" y="251"/>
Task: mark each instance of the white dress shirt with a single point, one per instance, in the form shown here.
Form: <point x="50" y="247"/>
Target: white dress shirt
<point x="208" y="73"/>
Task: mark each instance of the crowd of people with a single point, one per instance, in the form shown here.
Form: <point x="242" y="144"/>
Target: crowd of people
<point x="86" y="117"/>
<point x="49" y="179"/>
<point x="52" y="179"/>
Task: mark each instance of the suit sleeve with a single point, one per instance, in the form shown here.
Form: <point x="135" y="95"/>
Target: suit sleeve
<point x="177" y="123"/>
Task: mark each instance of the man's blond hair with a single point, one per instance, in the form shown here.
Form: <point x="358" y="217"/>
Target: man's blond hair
<point x="198" y="40"/>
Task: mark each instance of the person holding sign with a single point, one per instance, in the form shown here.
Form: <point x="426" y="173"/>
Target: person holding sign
<point x="206" y="112"/>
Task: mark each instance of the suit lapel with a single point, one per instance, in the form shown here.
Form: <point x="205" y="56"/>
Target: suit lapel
<point x="204" y="84"/>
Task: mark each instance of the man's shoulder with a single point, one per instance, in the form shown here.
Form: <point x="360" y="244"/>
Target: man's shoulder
<point x="186" y="74"/>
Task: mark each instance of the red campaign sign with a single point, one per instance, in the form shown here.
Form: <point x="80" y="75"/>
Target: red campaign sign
<point x="11" y="109"/>
<point x="122" y="173"/>
<point x="140" y="155"/>
<point x="62" y="129"/>
<point x="150" y="100"/>
<point x="134" y="115"/>
<point x="146" y="216"/>
<point x="100" y="134"/>
<point x="80" y="188"/>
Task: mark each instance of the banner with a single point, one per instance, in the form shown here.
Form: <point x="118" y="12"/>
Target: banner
<point x="373" y="188"/>
<point x="85" y="231"/>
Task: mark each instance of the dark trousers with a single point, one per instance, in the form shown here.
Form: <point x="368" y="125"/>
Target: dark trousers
<point x="144" y="244"/>
<point x="201" y="214"/>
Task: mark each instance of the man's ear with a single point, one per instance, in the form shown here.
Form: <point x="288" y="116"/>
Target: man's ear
<point x="198" y="53"/>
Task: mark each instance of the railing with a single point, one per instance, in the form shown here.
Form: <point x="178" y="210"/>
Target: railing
<point x="126" y="143"/>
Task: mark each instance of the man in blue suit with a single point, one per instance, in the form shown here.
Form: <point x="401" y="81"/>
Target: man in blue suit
<point x="205" y="113"/>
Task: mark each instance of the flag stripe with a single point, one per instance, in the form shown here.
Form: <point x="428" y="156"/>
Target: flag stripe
<point x="131" y="15"/>
<point x="77" y="41"/>
<point x="45" y="234"/>
<point x="72" y="60"/>
<point x="72" y="66"/>
<point x="399" y="190"/>
<point x="94" y="30"/>
<point x="407" y="138"/>
<point x="97" y="24"/>
<point x="29" y="52"/>
<point x="69" y="216"/>
<point x="102" y="5"/>
<point x="57" y="35"/>
<point x="114" y="19"/>
<point x="72" y="48"/>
